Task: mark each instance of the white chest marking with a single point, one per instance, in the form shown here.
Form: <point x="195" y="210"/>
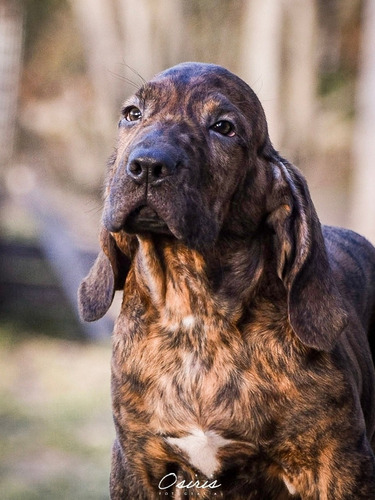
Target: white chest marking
<point x="188" y="321"/>
<point x="201" y="448"/>
<point x="290" y="487"/>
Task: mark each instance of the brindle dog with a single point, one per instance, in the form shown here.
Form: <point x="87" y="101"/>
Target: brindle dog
<point x="241" y="362"/>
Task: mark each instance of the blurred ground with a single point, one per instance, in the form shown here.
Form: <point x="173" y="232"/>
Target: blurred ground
<point x="55" y="420"/>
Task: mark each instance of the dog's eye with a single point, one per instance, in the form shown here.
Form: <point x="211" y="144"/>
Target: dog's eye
<point x="132" y="114"/>
<point x="224" y="127"/>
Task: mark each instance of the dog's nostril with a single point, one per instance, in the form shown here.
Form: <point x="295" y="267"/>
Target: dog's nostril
<point x="135" y="168"/>
<point x="159" y="170"/>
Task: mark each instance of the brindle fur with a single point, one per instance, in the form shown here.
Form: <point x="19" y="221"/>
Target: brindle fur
<point x="241" y="315"/>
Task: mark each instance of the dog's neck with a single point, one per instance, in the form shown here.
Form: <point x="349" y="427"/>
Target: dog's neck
<point x="180" y="281"/>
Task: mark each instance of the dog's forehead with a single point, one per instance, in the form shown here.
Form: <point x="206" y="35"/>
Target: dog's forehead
<point x="195" y="81"/>
<point x="190" y="74"/>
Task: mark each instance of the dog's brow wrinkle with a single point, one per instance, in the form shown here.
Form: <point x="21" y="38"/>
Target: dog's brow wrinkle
<point x="144" y="91"/>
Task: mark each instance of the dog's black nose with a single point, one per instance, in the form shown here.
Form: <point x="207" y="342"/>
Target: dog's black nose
<point x="151" y="168"/>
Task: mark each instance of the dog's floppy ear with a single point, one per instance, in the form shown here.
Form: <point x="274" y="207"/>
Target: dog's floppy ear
<point x="107" y="275"/>
<point x="315" y="307"/>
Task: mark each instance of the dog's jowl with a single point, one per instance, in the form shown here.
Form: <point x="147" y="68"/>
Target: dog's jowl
<point x="242" y="364"/>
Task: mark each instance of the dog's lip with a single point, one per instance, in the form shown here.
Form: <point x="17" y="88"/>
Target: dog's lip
<point x="145" y="219"/>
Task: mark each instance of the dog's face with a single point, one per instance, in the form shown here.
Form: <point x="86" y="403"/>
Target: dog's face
<point x="188" y="139"/>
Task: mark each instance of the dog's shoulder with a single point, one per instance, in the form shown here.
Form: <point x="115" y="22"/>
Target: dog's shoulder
<point x="352" y="260"/>
<point x="349" y="251"/>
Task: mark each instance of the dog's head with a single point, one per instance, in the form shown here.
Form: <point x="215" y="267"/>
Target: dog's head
<point x="186" y="140"/>
<point x="194" y="163"/>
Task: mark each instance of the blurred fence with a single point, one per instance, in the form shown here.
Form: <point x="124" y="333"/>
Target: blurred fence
<point x="11" y="34"/>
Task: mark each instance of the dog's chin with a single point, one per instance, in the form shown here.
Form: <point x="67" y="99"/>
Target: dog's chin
<point x="145" y="219"/>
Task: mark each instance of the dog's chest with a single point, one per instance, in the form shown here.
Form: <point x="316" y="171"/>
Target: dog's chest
<point x="196" y="380"/>
<point x="191" y="389"/>
<point x="195" y="369"/>
<point x="187" y="379"/>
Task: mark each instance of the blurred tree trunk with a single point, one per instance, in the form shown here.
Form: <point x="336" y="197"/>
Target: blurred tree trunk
<point x="279" y="61"/>
<point x="170" y="39"/>
<point x="300" y="78"/>
<point x="102" y="44"/>
<point x="11" y="21"/>
<point x="153" y="35"/>
<point x="136" y="21"/>
<point x="261" y="57"/>
<point x="363" y="189"/>
<point x="96" y="20"/>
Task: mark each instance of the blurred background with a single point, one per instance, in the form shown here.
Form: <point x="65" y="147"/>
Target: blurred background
<point x="65" y="68"/>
